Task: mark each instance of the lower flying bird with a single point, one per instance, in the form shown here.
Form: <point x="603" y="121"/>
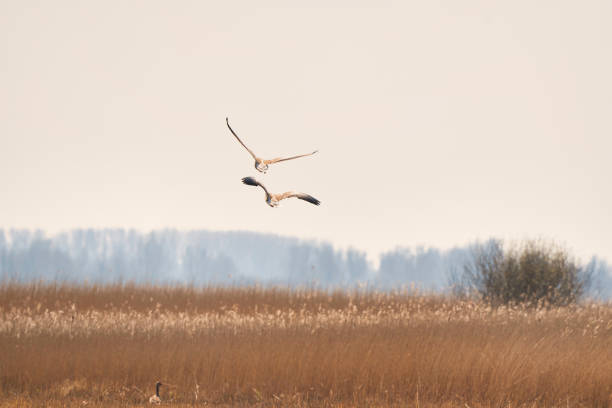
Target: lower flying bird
<point x="273" y="199"/>
<point x="261" y="164"/>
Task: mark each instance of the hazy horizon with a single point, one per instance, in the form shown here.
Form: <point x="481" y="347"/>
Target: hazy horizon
<point x="208" y="258"/>
<point x="437" y="124"/>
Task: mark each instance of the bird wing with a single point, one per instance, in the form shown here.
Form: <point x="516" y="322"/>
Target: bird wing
<point x="280" y="159"/>
<point x="301" y="196"/>
<point x="237" y="138"/>
<point x="252" y="182"/>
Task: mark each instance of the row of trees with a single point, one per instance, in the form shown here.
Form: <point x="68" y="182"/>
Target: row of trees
<point x="240" y="258"/>
<point x="170" y="256"/>
<point x="205" y="257"/>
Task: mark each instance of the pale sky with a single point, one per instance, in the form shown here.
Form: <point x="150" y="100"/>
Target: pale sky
<point x="437" y="122"/>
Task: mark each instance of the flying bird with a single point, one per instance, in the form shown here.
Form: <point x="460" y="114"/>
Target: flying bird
<point x="273" y="199"/>
<point x="262" y="164"/>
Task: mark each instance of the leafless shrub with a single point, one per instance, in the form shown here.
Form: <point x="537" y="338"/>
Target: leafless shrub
<point x="533" y="272"/>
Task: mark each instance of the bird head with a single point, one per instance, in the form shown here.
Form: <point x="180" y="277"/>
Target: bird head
<point x="262" y="167"/>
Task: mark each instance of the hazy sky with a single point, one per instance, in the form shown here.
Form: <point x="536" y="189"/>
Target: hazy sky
<point x="438" y="122"/>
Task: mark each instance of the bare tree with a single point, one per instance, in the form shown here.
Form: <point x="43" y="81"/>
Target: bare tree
<point x="532" y="272"/>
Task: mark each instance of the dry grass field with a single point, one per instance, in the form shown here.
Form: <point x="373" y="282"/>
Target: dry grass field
<point x="107" y="346"/>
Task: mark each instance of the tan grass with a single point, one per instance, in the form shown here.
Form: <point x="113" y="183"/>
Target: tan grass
<point x="240" y="347"/>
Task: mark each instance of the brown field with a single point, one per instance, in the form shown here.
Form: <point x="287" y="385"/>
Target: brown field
<point x="107" y="346"/>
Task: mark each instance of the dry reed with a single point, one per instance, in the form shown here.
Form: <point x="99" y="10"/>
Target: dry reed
<point x="276" y="347"/>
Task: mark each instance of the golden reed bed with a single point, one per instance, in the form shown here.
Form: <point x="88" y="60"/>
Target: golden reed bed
<point x="107" y="346"/>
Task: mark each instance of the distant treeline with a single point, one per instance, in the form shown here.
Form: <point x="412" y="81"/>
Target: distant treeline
<point x="227" y="258"/>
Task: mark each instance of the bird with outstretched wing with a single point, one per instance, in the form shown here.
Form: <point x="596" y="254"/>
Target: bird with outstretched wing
<point x="263" y="164"/>
<point x="273" y="199"/>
